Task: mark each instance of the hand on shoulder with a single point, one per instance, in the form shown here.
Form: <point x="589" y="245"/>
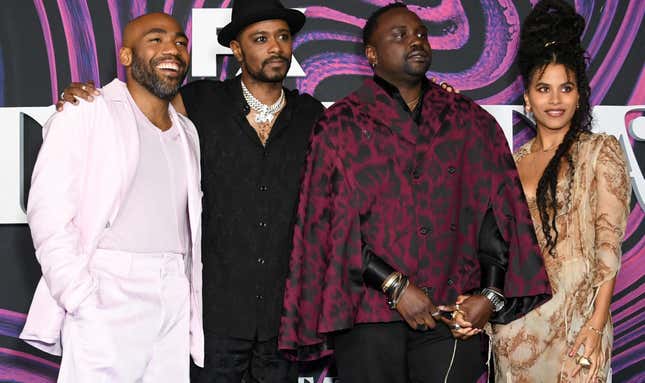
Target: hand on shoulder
<point x="75" y="91"/>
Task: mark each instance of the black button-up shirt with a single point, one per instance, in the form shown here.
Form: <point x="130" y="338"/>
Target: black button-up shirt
<point x="250" y="197"/>
<point x="393" y="92"/>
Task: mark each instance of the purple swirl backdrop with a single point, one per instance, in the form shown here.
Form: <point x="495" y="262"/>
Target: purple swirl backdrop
<point x="45" y="44"/>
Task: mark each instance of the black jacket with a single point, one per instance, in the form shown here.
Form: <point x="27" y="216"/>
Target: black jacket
<point x="250" y="197"/>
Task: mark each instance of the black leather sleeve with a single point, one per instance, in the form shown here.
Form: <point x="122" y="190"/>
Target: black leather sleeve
<point x="493" y="258"/>
<point x="516" y="307"/>
<point x="375" y="270"/>
<point x="492" y="253"/>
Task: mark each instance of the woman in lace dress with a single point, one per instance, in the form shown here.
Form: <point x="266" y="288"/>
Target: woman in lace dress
<point x="578" y="191"/>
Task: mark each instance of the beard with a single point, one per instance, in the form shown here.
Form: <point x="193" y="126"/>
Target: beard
<point x="164" y="88"/>
<point x="265" y="75"/>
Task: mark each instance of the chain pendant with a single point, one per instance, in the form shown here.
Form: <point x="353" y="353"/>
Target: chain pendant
<point x="264" y="116"/>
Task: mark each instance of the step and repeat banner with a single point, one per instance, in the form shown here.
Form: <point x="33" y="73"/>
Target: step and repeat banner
<point x="46" y="44"/>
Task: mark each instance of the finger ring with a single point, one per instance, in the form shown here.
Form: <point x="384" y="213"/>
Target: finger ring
<point x="83" y="87"/>
<point x="62" y="94"/>
<point x="584" y="362"/>
<point x="455" y="326"/>
<point x="421" y="327"/>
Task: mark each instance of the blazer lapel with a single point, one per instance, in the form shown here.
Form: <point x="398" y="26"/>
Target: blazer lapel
<point x="120" y="110"/>
<point x="191" y="157"/>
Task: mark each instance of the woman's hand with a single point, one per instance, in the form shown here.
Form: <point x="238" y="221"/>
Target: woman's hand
<point x="590" y="340"/>
<point x="444" y="85"/>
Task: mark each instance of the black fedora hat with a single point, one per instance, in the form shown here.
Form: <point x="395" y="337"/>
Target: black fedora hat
<point x="247" y="12"/>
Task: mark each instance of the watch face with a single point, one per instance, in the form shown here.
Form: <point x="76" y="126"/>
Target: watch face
<point x="497" y="302"/>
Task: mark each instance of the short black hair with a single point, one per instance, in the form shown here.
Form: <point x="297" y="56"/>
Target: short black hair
<point x="370" y="25"/>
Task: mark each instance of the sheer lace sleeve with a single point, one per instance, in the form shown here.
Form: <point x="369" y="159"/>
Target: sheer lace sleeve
<point x="613" y="191"/>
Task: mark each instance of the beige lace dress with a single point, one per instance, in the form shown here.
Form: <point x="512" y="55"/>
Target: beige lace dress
<point x="591" y="223"/>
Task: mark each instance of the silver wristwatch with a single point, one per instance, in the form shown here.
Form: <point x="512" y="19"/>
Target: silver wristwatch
<point x="496" y="298"/>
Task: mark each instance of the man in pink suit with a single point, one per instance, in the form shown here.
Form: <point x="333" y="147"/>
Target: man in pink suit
<point x="114" y="211"/>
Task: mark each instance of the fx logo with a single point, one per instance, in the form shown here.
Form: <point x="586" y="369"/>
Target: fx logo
<point x="206" y="22"/>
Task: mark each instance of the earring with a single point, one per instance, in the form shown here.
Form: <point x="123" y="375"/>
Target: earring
<point x="373" y="65"/>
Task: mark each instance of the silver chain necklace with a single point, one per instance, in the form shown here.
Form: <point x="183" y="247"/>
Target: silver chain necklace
<point x="265" y="113"/>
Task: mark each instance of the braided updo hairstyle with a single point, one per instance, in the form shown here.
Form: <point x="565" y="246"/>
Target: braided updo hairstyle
<point x="551" y="35"/>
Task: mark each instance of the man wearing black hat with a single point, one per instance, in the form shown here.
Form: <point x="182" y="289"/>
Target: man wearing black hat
<point x="254" y="136"/>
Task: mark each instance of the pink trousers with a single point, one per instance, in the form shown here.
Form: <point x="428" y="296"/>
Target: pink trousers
<point x="135" y="326"/>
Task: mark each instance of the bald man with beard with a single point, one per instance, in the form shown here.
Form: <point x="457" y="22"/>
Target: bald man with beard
<point x="114" y="211"/>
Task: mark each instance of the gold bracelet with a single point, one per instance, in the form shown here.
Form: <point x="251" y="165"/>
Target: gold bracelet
<point x="396" y="299"/>
<point x="595" y="330"/>
<point x="390" y="280"/>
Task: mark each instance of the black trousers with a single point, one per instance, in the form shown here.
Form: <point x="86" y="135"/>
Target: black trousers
<point x="232" y="360"/>
<point x="394" y="353"/>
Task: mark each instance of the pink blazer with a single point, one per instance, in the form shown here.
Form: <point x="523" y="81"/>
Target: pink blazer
<point x="83" y="171"/>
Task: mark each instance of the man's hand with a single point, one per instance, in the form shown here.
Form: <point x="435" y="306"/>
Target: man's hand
<point x="459" y="326"/>
<point x="476" y="309"/>
<point x="416" y="308"/>
<point x="86" y="91"/>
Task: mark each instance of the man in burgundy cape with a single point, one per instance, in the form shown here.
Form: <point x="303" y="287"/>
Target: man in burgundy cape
<point x="414" y="186"/>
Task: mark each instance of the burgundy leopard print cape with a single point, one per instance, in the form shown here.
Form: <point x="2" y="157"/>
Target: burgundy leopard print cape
<point x="416" y="195"/>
